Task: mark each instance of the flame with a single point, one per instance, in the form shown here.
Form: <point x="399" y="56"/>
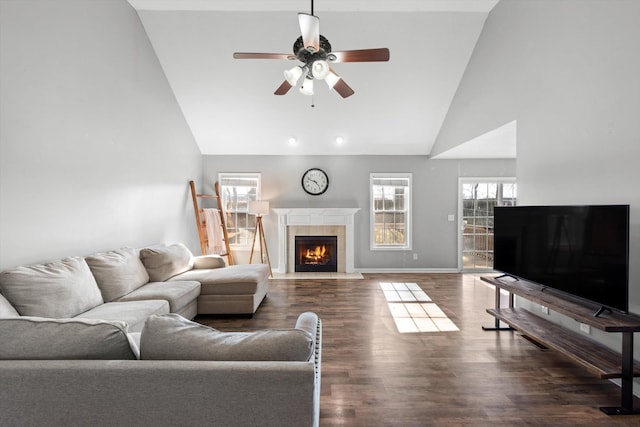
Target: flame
<point x="315" y="255"/>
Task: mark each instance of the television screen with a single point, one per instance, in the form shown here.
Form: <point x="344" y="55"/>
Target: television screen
<point x="582" y="251"/>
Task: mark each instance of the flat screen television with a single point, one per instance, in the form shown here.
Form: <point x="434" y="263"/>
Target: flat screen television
<point x="581" y="251"/>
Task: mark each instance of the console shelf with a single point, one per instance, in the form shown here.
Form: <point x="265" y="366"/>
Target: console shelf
<point x="583" y="350"/>
<point x="597" y="358"/>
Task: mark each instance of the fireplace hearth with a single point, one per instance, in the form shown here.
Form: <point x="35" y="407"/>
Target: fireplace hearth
<point x="316" y="253"/>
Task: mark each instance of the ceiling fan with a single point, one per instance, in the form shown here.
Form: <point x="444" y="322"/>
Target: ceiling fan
<point x="313" y="50"/>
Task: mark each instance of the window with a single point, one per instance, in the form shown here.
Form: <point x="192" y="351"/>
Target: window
<point x="391" y="211"/>
<point x="236" y="190"/>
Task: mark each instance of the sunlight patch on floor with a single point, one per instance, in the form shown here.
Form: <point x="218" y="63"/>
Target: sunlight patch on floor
<point x="412" y="309"/>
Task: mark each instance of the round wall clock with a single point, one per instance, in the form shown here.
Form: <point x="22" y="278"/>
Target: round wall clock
<point x="315" y="181"/>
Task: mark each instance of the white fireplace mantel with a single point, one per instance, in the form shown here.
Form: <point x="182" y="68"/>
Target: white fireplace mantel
<point x="310" y="217"/>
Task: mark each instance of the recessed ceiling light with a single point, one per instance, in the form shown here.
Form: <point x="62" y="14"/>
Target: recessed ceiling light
<point x="292" y="141"/>
<point x="339" y="140"/>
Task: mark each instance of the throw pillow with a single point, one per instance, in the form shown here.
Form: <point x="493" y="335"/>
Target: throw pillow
<point x="57" y="289"/>
<point x="208" y="262"/>
<point x="37" y="338"/>
<point x="172" y="337"/>
<point x="117" y="272"/>
<point x="165" y="261"/>
<point x="6" y="309"/>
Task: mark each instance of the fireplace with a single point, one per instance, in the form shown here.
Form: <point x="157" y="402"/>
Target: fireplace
<point x="316" y="253"/>
<point x="315" y="222"/>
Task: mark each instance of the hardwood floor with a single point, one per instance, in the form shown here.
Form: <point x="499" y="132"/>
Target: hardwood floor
<point x="372" y="375"/>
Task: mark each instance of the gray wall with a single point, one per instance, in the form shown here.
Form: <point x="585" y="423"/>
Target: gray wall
<point x="94" y="151"/>
<point x="567" y="71"/>
<point x="435" y="192"/>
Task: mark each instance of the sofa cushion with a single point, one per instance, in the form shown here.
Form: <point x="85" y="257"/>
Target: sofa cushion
<point x="6" y="309"/>
<point x="240" y="279"/>
<point x="172" y="337"/>
<point x="62" y="288"/>
<point x="177" y="294"/>
<point x="165" y="261"/>
<point x="117" y="272"/>
<point x="133" y="313"/>
<point x="29" y="338"/>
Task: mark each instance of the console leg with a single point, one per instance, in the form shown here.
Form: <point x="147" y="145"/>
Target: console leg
<point x="496" y="324"/>
<point x="497" y="328"/>
<point x="626" y="395"/>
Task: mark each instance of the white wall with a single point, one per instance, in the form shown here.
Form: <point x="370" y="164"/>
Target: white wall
<point x="435" y="192"/>
<point x="567" y="71"/>
<point x="94" y="151"/>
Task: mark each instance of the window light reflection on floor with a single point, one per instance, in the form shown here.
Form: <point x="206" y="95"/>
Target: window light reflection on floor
<point x="412" y="309"/>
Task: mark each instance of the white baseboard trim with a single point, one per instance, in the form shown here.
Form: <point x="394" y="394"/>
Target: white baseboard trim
<point x="392" y="270"/>
<point x="408" y="270"/>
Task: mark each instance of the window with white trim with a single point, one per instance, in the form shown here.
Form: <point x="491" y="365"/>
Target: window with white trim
<point x="236" y="191"/>
<point x="390" y="211"/>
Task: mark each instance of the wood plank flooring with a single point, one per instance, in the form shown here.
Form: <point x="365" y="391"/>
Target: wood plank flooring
<point x="372" y="375"/>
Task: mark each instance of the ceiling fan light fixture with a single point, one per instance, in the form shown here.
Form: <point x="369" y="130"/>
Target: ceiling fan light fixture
<point x="293" y="75"/>
<point x="320" y="69"/>
<point x="307" y="87"/>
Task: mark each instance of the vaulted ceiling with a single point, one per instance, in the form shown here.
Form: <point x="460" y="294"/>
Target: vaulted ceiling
<point x="398" y="106"/>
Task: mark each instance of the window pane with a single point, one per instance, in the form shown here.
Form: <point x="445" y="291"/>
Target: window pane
<point x="236" y="191"/>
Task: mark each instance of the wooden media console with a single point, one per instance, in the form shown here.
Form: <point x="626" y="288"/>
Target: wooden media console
<point x="595" y="357"/>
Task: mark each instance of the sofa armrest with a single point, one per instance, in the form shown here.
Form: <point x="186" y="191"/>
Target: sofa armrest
<point x="208" y="262"/>
<point x="308" y="321"/>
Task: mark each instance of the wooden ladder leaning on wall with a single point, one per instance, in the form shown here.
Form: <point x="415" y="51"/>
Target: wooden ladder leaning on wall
<point x="201" y="224"/>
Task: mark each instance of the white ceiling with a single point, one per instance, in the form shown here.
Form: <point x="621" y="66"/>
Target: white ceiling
<point x="398" y="106"/>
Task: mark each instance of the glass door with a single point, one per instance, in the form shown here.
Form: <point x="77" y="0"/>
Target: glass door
<point x="478" y="197"/>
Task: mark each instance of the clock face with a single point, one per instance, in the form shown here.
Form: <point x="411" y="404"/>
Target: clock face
<point x="315" y="181"/>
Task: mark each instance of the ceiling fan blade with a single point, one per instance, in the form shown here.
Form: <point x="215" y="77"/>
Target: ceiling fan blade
<point x="310" y="30"/>
<point x="283" y="88"/>
<point x="343" y="89"/>
<point x="252" y="55"/>
<point x="335" y="82"/>
<point x="362" y="55"/>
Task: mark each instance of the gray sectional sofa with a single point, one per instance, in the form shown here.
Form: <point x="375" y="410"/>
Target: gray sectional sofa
<point x="130" y="285"/>
<point x="107" y="339"/>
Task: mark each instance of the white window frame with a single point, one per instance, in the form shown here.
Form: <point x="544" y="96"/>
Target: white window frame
<point x="249" y="229"/>
<point x="407" y="245"/>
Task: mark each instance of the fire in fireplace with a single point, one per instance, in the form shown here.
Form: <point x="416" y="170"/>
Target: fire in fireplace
<point x="316" y="253"/>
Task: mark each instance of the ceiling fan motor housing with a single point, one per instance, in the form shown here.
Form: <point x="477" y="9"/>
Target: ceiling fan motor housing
<point x="309" y="56"/>
<point x="303" y="53"/>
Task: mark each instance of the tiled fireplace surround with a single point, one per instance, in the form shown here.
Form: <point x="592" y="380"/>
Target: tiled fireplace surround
<point x="315" y="222"/>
